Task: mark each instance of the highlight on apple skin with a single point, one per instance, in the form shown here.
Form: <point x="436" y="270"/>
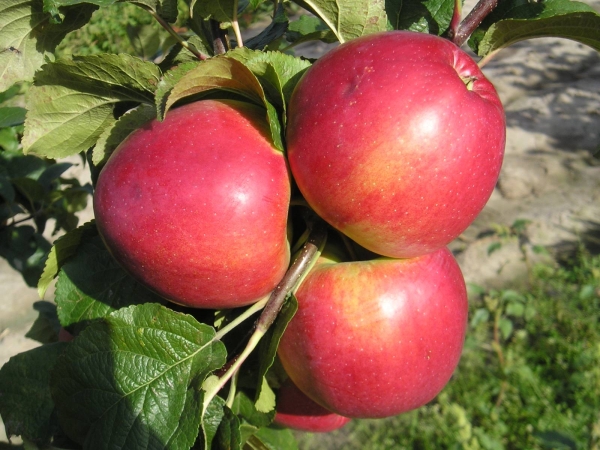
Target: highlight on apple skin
<point x="295" y="410"/>
<point x="377" y="338"/>
<point x="195" y="207"/>
<point x="396" y="139"/>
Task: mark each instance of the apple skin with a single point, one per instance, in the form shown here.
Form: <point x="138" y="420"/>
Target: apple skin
<point x="196" y="206"/>
<point x="295" y="410"/>
<point x="389" y="146"/>
<point x="377" y="338"/>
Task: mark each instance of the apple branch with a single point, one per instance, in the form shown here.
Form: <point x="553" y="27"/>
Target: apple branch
<point x="163" y="23"/>
<point x="291" y="280"/>
<point x="473" y="20"/>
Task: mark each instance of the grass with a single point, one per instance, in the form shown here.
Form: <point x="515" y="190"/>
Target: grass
<point x="529" y="377"/>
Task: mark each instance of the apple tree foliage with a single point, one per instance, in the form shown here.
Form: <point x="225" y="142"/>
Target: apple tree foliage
<point x="142" y="373"/>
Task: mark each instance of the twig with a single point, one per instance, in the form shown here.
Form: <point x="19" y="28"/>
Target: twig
<point x="236" y="26"/>
<point x="454" y="23"/>
<point x="293" y="277"/>
<point x="163" y="23"/>
<point x="473" y="20"/>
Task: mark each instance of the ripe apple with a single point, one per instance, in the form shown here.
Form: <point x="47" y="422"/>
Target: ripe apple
<point x="295" y="410"/>
<point x="377" y="338"/>
<point x="196" y="206"/>
<point x="396" y="139"/>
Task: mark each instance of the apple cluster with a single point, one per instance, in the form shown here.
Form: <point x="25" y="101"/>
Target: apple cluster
<point x="394" y="139"/>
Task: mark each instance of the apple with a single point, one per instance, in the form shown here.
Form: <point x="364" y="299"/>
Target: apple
<point x="195" y="207"/>
<point x="376" y="338"/>
<point x="396" y="139"/>
<point x="295" y="410"/>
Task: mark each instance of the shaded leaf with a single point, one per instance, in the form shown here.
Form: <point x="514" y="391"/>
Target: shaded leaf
<point x="64" y="247"/>
<point x="25" y="250"/>
<point x="309" y="28"/>
<point x="245" y="407"/>
<point x="228" y="433"/>
<point x="277" y="72"/>
<point x="91" y="285"/>
<point x="110" y="139"/>
<point x="11" y="116"/>
<point x="429" y="16"/>
<point x="132" y="380"/>
<point x="165" y="85"/>
<point x="46" y="327"/>
<point x="27" y="407"/>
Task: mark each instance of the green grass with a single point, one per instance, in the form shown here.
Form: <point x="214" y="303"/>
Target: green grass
<point x="529" y="377"/>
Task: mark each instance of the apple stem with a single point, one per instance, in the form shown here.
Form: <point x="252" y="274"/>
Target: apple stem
<point x="235" y="25"/>
<point x="232" y="390"/>
<point x="473" y="20"/>
<point x="163" y="23"/>
<point x="295" y="274"/>
<point x="260" y="304"/>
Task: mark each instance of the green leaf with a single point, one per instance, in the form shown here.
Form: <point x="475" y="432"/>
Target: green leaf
<point x="6" y="188"/>
<point x="245" y="407"/>
<point x="132" y="380"/>
<point x="515" y="309"/>
<point x="517" y="20"/>
<point x="309" y="28"/>
<point x="46" y="327"/>
<point x="167" y="9"/>
<point x="11" y="116"/>
<point x="27" y="36"/>
<point x="166" y="84"/>
<point x="349" y="19"/>
<point x="482" y="315"/>
<point x="277" y="72"/>
<point x="91" y="285"/>
<point x="26" y="406"/>
<point x="226" y="74"/>
<point x="71" y="103"/>
<point x="64" y="247"/>
<point x="219" y="73"/>
<point x="269" y="438"/>
<point x="110" y="139"/>
<point x="219" y="10"/>
<point x="429" y="16"/>
<point x="228" y="434"/>
<point x="506" y="327"/>
<point x="211" y="420"/>
<point x="267" y="349"/>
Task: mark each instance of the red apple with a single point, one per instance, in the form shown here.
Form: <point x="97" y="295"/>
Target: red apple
<point x="377" y="338"/>
<point x="396" y="139"/>
<point x="295" y="410"/>
<point x="196" y="206"/>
